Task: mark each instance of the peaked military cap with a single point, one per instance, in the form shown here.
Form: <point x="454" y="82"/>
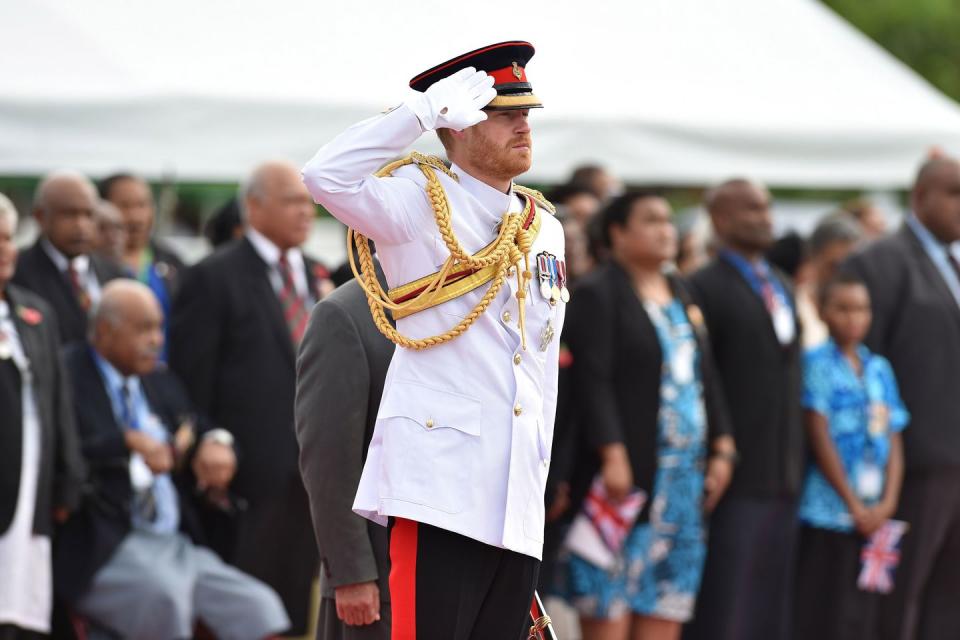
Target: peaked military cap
<point x="505" y="61"/>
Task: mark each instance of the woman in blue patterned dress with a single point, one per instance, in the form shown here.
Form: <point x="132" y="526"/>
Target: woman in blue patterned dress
<point x="650" y="407"/>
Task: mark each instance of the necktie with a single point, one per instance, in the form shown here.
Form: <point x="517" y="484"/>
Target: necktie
<point x="294" y="310"/>
<point x="83" y="298"/>
<point x="144" y="502"/>
<point x="954" y="263"/>
<point x="767" y="291"/>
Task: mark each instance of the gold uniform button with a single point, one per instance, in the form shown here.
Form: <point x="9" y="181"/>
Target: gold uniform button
<point x="506" y="317"/>
<point x="517" y="358"/>
<point x="430" y="423"/>
<point x="517" y="410"/>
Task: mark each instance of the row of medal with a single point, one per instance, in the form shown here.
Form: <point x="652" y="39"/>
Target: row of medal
<point x="552" y="275"/>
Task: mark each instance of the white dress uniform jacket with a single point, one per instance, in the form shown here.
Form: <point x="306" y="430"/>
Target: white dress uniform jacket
<point x="463" y="436"/>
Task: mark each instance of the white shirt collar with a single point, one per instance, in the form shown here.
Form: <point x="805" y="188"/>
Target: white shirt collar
<point x="4" y="310"/>
<point x="80" y="263"/>
<point x="269" y="252"/>
<point x="494" y="202"/>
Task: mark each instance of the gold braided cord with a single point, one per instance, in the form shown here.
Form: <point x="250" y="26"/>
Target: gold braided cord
<point x="539" y="625"/>
<point x="511" y="247"/>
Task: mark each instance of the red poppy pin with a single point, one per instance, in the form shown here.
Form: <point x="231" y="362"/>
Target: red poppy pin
<point x="29" y="315"/>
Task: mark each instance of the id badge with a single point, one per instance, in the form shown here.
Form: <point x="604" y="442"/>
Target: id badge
<point x="681" y="364"/>
<point x="783" y="324"/>
<point x="869" y="481"/>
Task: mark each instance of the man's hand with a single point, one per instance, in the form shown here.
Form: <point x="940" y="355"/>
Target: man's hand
<point x="157" y="455"/>
<point x="358" y="604"/>
<point x="456" y="102"/>
<point x="214" y="465"/>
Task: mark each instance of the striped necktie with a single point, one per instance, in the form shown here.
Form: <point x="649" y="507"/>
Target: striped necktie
<point x="83" y="298"/>
<point x="294" y="309"/>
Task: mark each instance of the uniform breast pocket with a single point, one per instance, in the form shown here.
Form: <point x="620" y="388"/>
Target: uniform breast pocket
<point x="431" y="444"/>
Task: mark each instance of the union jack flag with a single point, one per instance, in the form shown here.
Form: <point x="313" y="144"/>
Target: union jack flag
<point x="880" y="557"/>
<point x="613" y="521"/>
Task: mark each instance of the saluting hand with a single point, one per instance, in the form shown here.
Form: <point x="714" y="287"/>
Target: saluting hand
<point x="358" y="604"/>
<point x="456" y="102"/>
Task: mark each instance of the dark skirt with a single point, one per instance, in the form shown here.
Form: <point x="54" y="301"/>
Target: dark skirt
<point x="828" y="603"/>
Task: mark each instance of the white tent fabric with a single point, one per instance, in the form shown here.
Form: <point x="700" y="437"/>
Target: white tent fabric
<point x="659" y="91"/>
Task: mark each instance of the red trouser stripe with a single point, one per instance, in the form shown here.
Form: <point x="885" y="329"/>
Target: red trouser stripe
<point x="403" y="579"/>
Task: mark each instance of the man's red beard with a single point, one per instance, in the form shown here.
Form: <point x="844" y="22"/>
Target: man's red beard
<point x="502" y="162"/>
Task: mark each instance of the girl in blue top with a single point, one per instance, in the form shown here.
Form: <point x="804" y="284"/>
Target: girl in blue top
<point x="853" y="416"/>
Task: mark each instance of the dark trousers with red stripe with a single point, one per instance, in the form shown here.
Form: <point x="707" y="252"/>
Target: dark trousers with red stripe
<point x="444" y="586"/>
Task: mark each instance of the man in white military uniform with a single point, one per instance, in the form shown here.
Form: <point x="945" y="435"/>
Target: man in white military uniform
<point x="461" y="449"/>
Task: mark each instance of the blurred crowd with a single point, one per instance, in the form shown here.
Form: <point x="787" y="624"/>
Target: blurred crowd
<point x="755" y="436"/>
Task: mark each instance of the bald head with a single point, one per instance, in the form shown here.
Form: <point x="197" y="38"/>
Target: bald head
<point x="935" y="198"/>
<point x="128" y="327"/>
<point x="64" y="206"/>
<point x="740" y="212"/>
<point x="278" y="205"/>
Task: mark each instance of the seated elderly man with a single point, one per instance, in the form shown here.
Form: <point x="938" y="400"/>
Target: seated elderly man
<point x="123" y="561"/>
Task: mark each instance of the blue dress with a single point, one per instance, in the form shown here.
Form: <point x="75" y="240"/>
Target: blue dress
<point x="662" y="560"/>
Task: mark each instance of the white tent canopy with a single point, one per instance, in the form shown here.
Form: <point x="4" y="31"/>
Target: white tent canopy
<point x="659" y="91"/>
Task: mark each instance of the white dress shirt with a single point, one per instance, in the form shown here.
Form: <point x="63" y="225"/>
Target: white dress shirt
<point x="270" y="253"/>
<point x="463" y="435"/>
<point x="26" y="575"/>
<point x="81" y="264"/>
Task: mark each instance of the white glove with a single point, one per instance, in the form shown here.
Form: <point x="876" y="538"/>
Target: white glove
<point x="456" y="102"/>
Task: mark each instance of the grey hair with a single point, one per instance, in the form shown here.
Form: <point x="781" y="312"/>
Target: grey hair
<point x="255" y="185"/>
<point x="41" y="197"/>
<point x="107" y="308"/>
<point x="8" y="211"/>
<point x="837" y="227"/>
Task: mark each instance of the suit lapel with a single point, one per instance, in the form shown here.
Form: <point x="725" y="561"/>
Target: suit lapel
<point x="632" y="307"/>
<point x="259" y="281"/>
<point x="91" y="386"/>
<point x="31" y="335"/>
<point x="58" y="282"/>
<point x="929" y="270"/>
<point x="755" y="300"/>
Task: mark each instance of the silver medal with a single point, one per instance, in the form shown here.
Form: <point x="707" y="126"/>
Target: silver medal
<point x="546" y="337"/>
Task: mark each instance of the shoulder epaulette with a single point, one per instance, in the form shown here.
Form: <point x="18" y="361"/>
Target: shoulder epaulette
<point x="538" y="197"/>
<point x="434" y="161"/>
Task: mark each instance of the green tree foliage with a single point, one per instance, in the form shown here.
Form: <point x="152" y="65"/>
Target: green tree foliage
<point x="925" y="34"/>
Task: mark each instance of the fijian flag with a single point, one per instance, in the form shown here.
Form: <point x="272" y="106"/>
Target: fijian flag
<point x="880" y="557"/>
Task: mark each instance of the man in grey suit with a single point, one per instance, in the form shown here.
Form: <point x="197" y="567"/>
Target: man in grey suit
<point x="340" y="372"/>
<point x="914" y="282"/>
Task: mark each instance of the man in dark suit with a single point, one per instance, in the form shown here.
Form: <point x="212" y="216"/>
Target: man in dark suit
<point x="750" y="313"/>
<point x="40" y="464"/>
<point x="61" y="267"/>
<point x="132" y="559"/>
<point x="236" y="324"/>
<point x="915" y="294"/>
<point x="340" y="372"/>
